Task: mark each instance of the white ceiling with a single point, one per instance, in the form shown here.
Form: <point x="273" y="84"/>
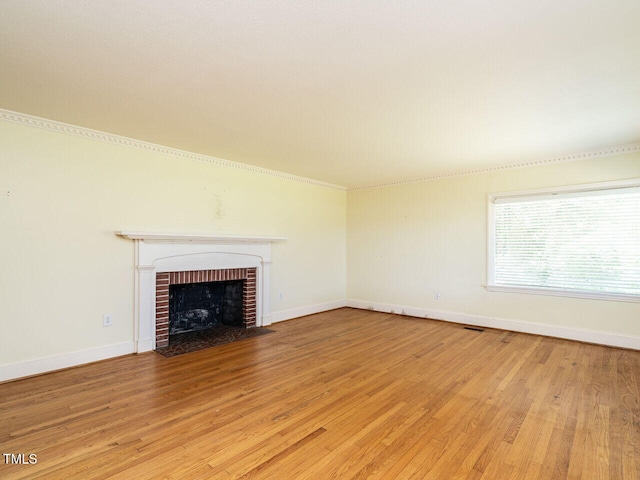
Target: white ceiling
<point x="353" y="93"/>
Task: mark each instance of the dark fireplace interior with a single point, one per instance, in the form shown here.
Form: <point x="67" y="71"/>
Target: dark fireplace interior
<point x="199" y="306"/>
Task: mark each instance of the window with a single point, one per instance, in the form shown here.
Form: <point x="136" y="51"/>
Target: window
<point x="581" y="241"/>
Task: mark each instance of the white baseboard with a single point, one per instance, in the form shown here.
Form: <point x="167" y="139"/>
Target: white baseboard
<point x="283" y="315"/>
<point x="570" y="333"/>
<point x="65" y="360"/>
<point x="145" y="346"/>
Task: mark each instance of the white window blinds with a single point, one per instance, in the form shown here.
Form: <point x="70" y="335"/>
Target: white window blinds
<point x="580" y="241"/>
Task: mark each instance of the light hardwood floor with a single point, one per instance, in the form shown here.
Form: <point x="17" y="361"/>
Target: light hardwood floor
<point x="346" y="394"/>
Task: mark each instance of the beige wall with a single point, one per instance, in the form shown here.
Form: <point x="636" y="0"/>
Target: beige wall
<point x="407" y="242"/>
<point x="62" y="197"/>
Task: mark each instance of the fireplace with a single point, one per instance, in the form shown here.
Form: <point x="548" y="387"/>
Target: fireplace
<point x="200" y="306"/>
<point x="162" y="260"/>
<point x="201" y="299"/>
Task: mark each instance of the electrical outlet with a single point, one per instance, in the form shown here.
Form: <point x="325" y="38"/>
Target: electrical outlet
<point x="107" y="320"/>
<point x="438" y="295"/>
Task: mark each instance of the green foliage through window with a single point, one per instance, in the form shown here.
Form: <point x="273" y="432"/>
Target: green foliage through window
<point x="576" y="241"/>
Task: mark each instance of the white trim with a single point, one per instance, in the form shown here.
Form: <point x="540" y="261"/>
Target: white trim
<point x="589" y="155"/>
<point x="495" y="198"/>
<point x="491" y="241"/>
<point x="570" y="333"/>
<point x="60" y="127"/>
<point x="198" y="237"/>
<point x="577" y="188"/>
<point x="616" y="297"/>
<point x="181" y="252"/>
<point x="283" y="315"/>
<point x="65" y="360"/>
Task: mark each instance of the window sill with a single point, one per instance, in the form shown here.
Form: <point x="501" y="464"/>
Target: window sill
<point x="617" y="297"/>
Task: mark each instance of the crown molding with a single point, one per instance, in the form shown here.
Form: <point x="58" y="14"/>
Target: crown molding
<point x="604" y="152"/>
<point x="60" y="127"/>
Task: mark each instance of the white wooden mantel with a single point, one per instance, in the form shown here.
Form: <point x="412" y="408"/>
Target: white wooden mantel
<point x="176" y="252"/>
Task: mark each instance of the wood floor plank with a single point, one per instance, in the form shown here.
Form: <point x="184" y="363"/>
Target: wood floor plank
<point x="346" y="394"/>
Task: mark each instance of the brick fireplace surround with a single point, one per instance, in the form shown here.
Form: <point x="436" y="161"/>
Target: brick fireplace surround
<point x="165" y="258"/>
<point x="163" y="280"/>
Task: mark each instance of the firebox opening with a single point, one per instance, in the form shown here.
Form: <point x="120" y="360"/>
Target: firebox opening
<point x="198" y="306"/>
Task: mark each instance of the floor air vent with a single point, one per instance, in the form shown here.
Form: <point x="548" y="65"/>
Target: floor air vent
<point x="475" y="329"/>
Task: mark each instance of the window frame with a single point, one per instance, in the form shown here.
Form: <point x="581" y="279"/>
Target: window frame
<point x="491" y="242"/>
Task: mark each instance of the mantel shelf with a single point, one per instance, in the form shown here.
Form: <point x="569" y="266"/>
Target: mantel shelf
<point x="195" y="237"/>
